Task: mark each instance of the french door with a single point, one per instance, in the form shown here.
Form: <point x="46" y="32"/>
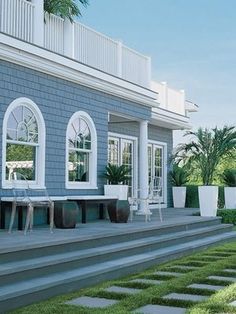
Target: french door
<point x="121" y="152"/>
<point x="156" y="166"/>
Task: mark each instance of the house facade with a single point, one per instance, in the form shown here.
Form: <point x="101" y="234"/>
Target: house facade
<point x="73" y="100"/>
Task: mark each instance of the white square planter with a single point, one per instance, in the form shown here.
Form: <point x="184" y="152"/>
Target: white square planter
<point x="208" y="200"/>
<point x="230" y="197"/>
<point x="119" y="190"/>
<point x="179" y="196"/>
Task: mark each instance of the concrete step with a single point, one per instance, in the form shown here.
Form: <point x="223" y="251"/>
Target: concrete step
<point x="64" y="246"/>
<point x="17" y="294"/>
<point x="12" y="272"/>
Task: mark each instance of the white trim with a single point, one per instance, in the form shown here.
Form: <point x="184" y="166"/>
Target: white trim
<point x="167" y="119"/>
<point x="40" y="59"/>
<point x="40" y="158"/>
<point x="164" y="146"/>
<point x="92" y="184"/>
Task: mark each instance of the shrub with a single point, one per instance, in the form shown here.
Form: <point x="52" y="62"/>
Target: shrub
<point x="229" y="177"/>
<point x="228" y="215"/>
<point x="179" y="175"/>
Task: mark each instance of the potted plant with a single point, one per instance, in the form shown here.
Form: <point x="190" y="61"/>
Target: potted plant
<point x="229" y="178"/>
<point x="204" y="152"/>
<point x="179" y="177"/>
<point x="116" y="177"/>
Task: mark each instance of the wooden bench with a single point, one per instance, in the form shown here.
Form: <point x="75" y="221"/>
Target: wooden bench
<point x="82" y="200"/>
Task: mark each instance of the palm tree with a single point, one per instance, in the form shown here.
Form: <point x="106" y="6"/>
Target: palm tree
<point x="207" y="149"/>
<point x="64" y="8"/>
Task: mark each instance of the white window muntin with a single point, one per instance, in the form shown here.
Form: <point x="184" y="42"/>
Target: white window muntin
<point x="121" y="140"/>
<point x="39" y="181"/>
<point x="92" y="183"/>
<point x="153" y="145"/>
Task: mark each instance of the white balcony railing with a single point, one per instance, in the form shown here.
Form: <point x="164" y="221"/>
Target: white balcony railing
<point x="16" y="18"/>
<point x="54" y="33"/>
<point x="25" y="20"/>
<point x="170" y="99"/>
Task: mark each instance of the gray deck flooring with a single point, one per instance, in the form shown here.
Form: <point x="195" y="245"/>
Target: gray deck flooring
<point x="42" y="237"/>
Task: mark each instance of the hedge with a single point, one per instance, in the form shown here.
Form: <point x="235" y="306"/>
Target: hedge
<point x="228" y="215"/>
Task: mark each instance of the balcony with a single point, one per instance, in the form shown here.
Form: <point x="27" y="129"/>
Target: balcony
<point x="26" y="21"/>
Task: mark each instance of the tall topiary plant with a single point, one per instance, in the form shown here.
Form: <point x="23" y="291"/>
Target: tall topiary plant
<point x="206" y="150"/>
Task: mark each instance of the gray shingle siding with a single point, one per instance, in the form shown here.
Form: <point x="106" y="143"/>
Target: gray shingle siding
<point x="58" y="99"/>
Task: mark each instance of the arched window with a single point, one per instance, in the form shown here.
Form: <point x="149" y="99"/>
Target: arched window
<point x="81" y="152"/>
<point x="23" y="143"/>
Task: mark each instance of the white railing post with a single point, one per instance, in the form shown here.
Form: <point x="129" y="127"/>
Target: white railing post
<point x="182" y="91"/>
<point x="38" y="27"/>
<point x="165" y="95"/>
<point x="69" y="39"/>
<point x="149" y="72"/>
<point x="119" y="58"/>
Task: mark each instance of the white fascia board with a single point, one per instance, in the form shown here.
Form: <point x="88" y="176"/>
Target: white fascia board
<point x="190" y="106"/>
<point x="40" y="59"/>
<point x="170" y="120"/>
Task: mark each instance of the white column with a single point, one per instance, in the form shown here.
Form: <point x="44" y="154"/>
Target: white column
<point x="143" y="166"/>
<point x="119" y="58"/>
<point x="38" y="22"/>
<point x="69" y="39"/>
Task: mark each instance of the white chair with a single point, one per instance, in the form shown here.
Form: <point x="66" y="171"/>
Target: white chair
<point x="135" y="202"/>
<point x="154" y="196"/>
<point x="20" y="188"/>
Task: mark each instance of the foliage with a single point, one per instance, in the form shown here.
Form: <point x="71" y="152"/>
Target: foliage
<point x="179" y="175"/>
<point x="65" y="9"/>
<point x="116" y="174"/>
<point x="228" y="216"/>
<point x="207" y="149"/>
<point x="192" y="196"/>
<point x="229" y="177"/>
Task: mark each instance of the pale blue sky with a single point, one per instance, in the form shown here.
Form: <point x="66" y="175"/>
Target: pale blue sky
<point x="192" y="45"/>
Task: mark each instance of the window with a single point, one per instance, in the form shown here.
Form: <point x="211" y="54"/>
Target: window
<point x="121" y="152"/>
<point x="81" y="169"/>
<point x="23" y="143"/>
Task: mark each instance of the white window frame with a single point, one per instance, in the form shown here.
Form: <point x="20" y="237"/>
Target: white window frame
<point x="162" y="145"/>
<point x="39" y="182"/>
<point x="120" y="137"/>
<point x="92" y="183"/>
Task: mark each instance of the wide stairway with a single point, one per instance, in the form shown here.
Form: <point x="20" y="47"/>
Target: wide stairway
<point x="33" y="270"/>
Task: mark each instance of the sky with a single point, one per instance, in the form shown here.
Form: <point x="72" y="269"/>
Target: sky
<point x="192" y="45"/>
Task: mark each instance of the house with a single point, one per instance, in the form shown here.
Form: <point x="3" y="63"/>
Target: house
<point x="73" y="99"/>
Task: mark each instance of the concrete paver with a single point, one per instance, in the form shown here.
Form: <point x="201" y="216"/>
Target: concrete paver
<point x="229" y="270"/>
<point x="148" y="281"/>
<point x="168" y="273"/>
<point x="123" y="290"/>
<point x="185" y="297"/>
<point x="207" y="287"/>
<point x="230" y="279"/>
<point x="160" y="309"/>
<point x="92" y="302"/>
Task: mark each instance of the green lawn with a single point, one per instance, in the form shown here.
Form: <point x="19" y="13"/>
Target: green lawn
<point x="212" y="262"/>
